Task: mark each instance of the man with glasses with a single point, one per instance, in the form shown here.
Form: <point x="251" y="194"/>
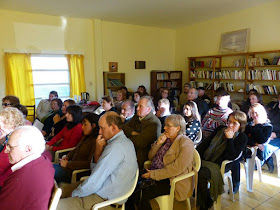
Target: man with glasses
<point x="32" y="179"/>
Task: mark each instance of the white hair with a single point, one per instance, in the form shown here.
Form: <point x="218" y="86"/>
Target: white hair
<point x="30" y="136"/>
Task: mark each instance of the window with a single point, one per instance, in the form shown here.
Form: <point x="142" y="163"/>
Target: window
<point x="50" y="72"/>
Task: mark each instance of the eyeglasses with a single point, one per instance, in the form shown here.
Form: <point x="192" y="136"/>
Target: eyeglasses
<point x="9" y="147"/>
<point x="6" y="104"/>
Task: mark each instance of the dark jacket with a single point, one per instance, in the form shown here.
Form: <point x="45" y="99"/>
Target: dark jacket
<point x="202" y="107"/>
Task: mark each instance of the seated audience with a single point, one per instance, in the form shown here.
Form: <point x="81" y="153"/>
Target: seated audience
<point x="119" y="101"/>
<point x="218" y="115"/>
<point x="44" y="106"/>
<point x="165" y="94"/>
<point x="31" y="182"/>
<point x="127" y="111"/>
<point x="183" y="97"/>
<point x="143" y="129"/>
<point x="163" y="111"/>
<point x="258" y="132"/>
<point x="47" y="120"/>
<point x="71" y="134"/>
<point x="225" y="143"/>
<point x="203" y="96"/>
<point x="114" y="173"/>
<point x="136" y="97"/>
<point x="142" y="90"/>
<point x="107" y="104"/>
<point x="24" y="111"/>
<point x="253" y="97"/>
<point x="10" y="119"/>
<point x="128" y="95"/>
<point x="201" y="105"/>
<point x="9" y="101"/>
<point x="80" y="157"/>
<point x="166" y="165"/>
<point x="192" y="118"/>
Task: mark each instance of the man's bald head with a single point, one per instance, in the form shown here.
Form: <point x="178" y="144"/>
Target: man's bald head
<point x="192" y="94"/>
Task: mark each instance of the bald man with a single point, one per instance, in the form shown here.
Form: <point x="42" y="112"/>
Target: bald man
<point x="32" y="179"/>
<point x="201" y="105"/>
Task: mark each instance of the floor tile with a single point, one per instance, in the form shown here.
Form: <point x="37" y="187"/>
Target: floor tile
<point x="249" y="201"/>
<point x="237" y="206"/>
<point x="273" y="203"/>
<point x="264" y="207"/>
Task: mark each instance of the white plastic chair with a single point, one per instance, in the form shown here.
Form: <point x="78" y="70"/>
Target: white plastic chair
<point x="277" y="155"/>
<point x="235" y="107"/>
<point x="58" y="152"/>
<point x="249" y="166"/>
<point x="166" y="201"/>
<point x="116" y="200"/>
<point x="55" y="197"/>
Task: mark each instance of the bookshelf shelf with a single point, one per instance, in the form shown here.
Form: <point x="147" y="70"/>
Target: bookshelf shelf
<point x="238" y="73"/>
<point x="159" y="78"/>
<point x="113" y="81"/>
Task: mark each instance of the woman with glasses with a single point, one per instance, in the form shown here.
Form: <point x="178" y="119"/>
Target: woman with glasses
<point x="10" y="119"/>
<point x="224" y="143"/>
<point x="171" y="155"/>
<point x="9" y="101"/>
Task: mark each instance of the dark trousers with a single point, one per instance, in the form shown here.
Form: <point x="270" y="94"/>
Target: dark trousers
<point x="235" y="173"/>
<point x="159" y="188"/>
<point x="203" y="195"/>
<point x="62" y="174"/>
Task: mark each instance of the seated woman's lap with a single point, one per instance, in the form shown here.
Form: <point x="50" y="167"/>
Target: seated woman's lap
<point x="62" y="174"/>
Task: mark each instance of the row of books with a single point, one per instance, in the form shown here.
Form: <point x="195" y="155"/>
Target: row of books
<point x="163" y="84"/>
<point x="202" y="74"/>
<point x="114" y="82"/>
<point x="206" y="85"/>
<point x="162" y="76"/>
<point x="227" y="86"/>
<point x="235" y="74"/>
<point x="175" y="75"/>
<point x="266" y="74"/>
<point x="257" y="62"/>
<point x="197" y="64"/>
<point x="264" y="89"/>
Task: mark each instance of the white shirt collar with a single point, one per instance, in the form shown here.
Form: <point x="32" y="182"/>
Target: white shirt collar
<point x="24" y="161"/>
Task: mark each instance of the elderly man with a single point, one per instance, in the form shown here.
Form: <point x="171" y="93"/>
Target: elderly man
<point x="184" y="96"/>
<point x="143" y="129"/>
<point x="201" y="105"/>
<point x="32" y="179"/>
<point x="163" y="111"/>
<point x="127" y="110"/>
<point x="114" y="173"/>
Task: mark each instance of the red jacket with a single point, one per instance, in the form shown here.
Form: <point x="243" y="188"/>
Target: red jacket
<point x="5" y="166"/>
<point x="70" y="138"/>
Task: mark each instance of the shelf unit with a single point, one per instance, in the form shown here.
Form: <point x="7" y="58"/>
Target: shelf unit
<point x="238" y="73"/>
<point x="159" y="78"/>
<point x="112" y="82"/>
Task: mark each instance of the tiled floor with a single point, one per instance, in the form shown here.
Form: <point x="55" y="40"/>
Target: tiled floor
<point x="265" y="195"/>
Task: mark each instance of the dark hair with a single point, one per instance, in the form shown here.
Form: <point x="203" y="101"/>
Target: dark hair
<point x="222" y="93"/>
<point x="93" y="119"/>
<point x="194" y="110"/>
<point x="54" y="93"/>
<point x="70" y="102"/>
<point x="114" y="118"/>
<point x="123" y="87"/>
<point x="145" y="90"/>
<point x="76" y="112"/>
<point x="109" y="99"/>
<point x="59" y="102"/>
<point x="21" y="108"/>
<point x="200" y="88"/>
<point x="12" y="99"/>
<point x="259" y="97"/>
<point x="241" y="117"/>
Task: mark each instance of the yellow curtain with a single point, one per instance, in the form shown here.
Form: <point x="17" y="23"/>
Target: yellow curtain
<point x="77" y="75"/>
<point x="19" y="80"/>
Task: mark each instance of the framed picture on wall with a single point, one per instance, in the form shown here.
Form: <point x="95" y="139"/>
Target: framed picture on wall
<point x="235" y="41"/>
<point x="140" y="64"/>
<point x="113" y="66"/>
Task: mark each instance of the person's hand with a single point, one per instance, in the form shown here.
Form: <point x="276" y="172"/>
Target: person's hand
<point x="261" y="147"/>
<point x="273" y="136"/>
<point x="147" y="175"/>
<point x="48" y="147"/>
<point x="161" y="139"/>
<point x="100" y="142"/>
<point x="63" y="163"/>
<point x="229" y="133"/>
<point x="134" y="133"/>
<point x="56" y="118"/>
<point x="122" y="117"/>
<point x="160" y="112"/>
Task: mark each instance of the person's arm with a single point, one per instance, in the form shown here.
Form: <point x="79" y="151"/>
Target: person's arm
<point x="262" y="133"/>
<point x="179" y="165"/>
<point x="38" y="110"/>
<point x="235" y="146"/>
<point x="156" y="146"/>
<point x="57" y="137"/>
<point x="109" y="161"/>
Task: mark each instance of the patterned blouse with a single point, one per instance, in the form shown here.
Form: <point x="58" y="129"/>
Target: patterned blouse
<point x="192" y="129"/>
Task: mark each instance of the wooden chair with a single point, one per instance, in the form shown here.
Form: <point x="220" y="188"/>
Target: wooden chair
<point x="31" y="112"/>
<point x="55" y="197"/>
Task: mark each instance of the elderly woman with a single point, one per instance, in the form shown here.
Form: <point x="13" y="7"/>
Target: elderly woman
<point x="171" y="155"/>
<point x="10" y="119"/>
<point x="224" y="143"/>
<point x="81" y="156"/>
<point x="45" y="105"/>
<point x="71" y="134"/>
<point x="258" y="132"/>
<point x="9" y="101"/>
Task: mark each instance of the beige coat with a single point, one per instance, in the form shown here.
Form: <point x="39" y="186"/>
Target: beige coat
<point x="177" y="161"/>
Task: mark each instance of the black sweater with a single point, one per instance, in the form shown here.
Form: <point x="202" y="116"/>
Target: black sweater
<point x="258" y="133"/>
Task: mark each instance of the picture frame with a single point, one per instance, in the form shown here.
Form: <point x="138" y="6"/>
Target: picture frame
<point x="140" y="64"/>
<point x="235" y="41"/>
<point x="113" y="66"/>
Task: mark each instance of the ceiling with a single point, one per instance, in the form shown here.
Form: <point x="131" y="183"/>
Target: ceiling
<point x="158" y="13"/>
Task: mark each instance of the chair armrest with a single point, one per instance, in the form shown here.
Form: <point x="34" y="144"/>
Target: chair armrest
<point x="74" y="174"/>
<point x="223" y="166"/>
<point x="84" y="178"/>
<point x="58" y="152"/>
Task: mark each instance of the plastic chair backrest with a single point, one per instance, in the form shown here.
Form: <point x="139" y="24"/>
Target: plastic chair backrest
<point x="55" y="197"/>
<point x="116" y="200"/>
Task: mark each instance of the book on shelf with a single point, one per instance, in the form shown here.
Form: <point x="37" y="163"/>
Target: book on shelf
<point x="266" y="61"/>
<point x="175" y="75"/>
<point x="114" y="82"/>
<point x="196" y="64"/>
<point x="267" y="74"/>
<point x="275" y="60"/>
<point x="162" y="76"/>
<point x="227" y="86"/>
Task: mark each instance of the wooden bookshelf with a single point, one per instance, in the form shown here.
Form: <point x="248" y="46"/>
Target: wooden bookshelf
<point x="112" y="82"/>
<point x="240" y="72"/>
<point x="159" y="78"/>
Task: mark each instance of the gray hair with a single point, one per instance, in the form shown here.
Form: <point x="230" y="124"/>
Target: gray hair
<point x="149" y="102"/>
<point x="12" y="117"/>
<point x="30" y="136"/>
<point x="177" y="120"/>
<point x="130" y="105"/>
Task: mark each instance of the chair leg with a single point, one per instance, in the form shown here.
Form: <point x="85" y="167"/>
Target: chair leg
<point x="163" y="202"/>
<point x="230" y="185"/>
<point x="259" y="168"/>
<point x="188" y="202"/>
<point x="249" y="165"/>
<point x="277" y="155"/>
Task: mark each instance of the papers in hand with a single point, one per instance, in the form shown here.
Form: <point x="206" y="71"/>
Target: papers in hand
<point x="38" y="124"/>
